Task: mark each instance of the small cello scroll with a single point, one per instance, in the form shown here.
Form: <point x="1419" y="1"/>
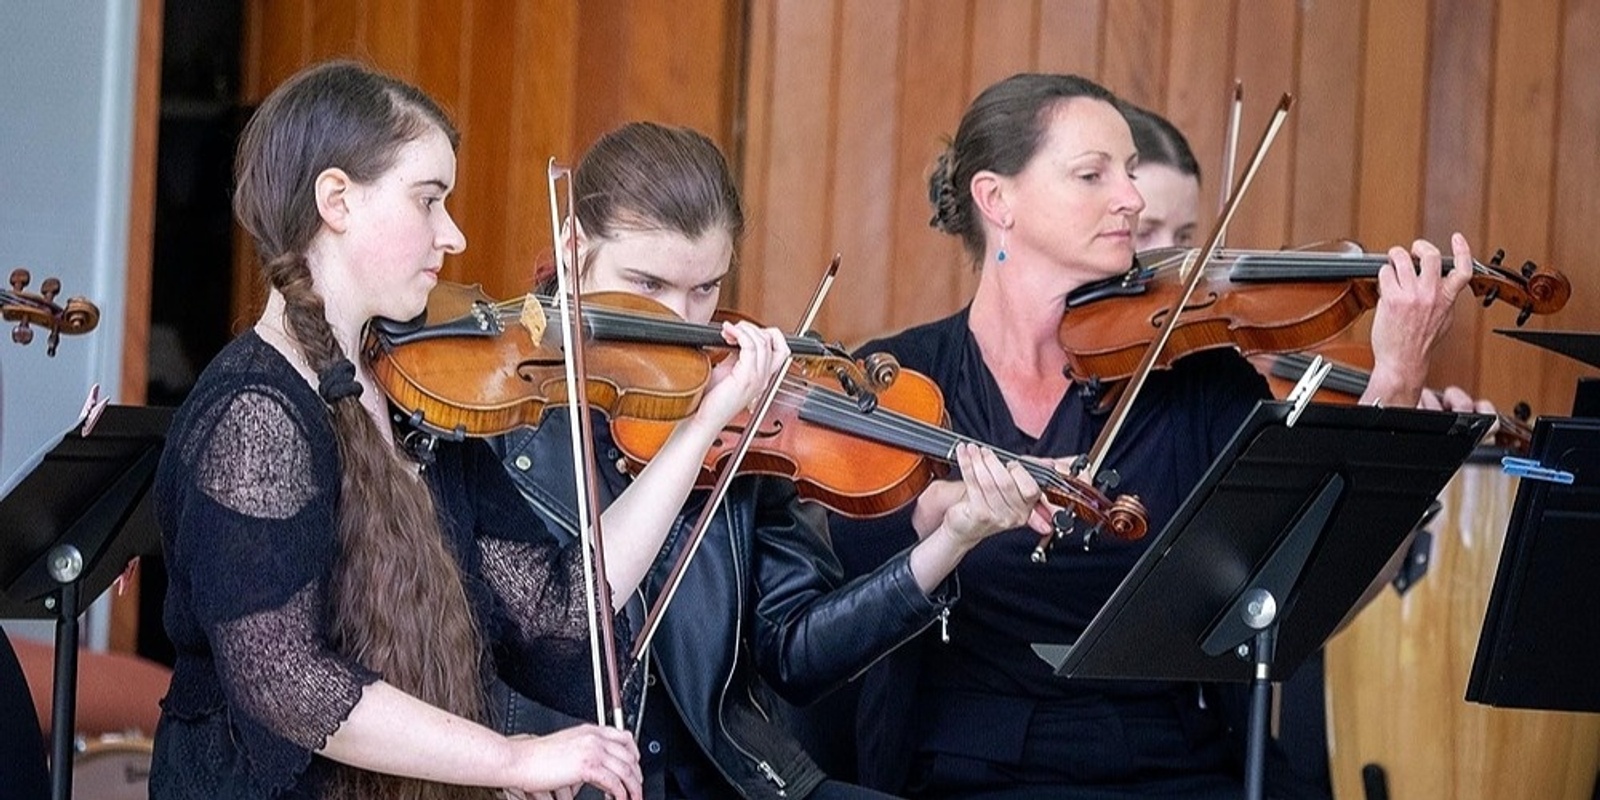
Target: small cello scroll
<point x="28" y="309"/>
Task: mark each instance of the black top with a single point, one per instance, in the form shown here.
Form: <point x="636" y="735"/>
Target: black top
<point x="247" y="497"/>
<point x="985" y="695"/>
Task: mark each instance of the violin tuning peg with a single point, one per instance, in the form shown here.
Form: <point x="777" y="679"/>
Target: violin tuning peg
<point x="1108" y="480"/>
<point x="1499" y="258"/>
<point x="1063" y="521"/>
<point x="49" y="289"/>
<point x="1079" y="464"/>
<point x="1490" y="296"/>
<point x="1523" y="317"/>
<point x="1089" y="536"/>
<point x="19" y="279"/>
<point x="1528" y="268"/>
<point x="1039" y="555"/>
<point x="22" y="334"/>
<point x="50" y="343"/>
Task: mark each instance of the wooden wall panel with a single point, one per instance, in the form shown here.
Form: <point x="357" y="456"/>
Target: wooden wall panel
<point x="1411" y="119"/>
<point x="524" y="80"/>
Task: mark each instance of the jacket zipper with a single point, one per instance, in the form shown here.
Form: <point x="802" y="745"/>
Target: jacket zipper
<point x="761" y="764"/>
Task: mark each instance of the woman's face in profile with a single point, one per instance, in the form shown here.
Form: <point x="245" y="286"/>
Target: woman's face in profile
<point x="1171" y="207"/>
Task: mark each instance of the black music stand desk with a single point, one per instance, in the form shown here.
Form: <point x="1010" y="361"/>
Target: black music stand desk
<point x="1540" y="644"/>
<point x="1273" y="550"/>
<point x="67" y="530"/>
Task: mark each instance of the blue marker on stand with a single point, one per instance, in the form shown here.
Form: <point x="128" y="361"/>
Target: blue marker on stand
<point x="1529" y="468"/>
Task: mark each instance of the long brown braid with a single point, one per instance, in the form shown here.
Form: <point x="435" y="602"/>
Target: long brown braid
<point x="397" y="599"/>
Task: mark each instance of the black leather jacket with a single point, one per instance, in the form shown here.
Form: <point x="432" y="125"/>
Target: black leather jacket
<point x="761" y="603"/>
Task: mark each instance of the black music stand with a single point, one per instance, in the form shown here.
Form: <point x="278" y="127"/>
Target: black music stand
<point x="67" y="530"/>
<point x="1540" y="644"/>
<point x="1272" y="550"/>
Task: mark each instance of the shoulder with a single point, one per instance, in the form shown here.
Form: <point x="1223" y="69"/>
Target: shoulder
<point x="924" y="346"/>
<point x="247" y="434"/>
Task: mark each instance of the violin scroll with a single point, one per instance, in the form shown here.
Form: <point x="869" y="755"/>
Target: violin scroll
<point x="27" y="309"/>
<point x="1533" y="289"/>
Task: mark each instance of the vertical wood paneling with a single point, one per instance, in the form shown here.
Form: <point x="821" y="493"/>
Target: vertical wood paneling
<point x="1394" y="70"/>
<point x="1129" y="65"/>
<point x="1069" y="36"/>
<point x="1200" y="76"/>
<point x="929" y="268"/>
<point x="794" y="218"/>
<point x="1003" y="40"/>
<point x="524" y="80"/>
<point x="1264" y="58"/>
<point x="1324" y="121"/>
<point x="864" y="161"/>
<point x="1520" y="171"/>
<point x="1456" y="171"/>
<point x="1576" y="203"/>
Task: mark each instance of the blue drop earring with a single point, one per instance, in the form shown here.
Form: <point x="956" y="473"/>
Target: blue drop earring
<point x="1000" y="255"/>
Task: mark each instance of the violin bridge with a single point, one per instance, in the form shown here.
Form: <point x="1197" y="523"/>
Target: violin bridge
<point x="532" y="318"/>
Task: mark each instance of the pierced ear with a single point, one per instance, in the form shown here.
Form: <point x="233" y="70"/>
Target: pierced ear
<point x="569" y="229"/>
<point x="989" y="197"/>
<point x="333" y="195"/>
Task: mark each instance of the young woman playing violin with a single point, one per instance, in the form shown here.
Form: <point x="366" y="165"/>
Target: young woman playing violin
<point x="763" y="606"/>
<point x="1039" y="184"/>
<point x="332" y="604"/>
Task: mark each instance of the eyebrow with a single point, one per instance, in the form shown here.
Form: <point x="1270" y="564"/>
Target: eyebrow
<point x="636" y="273"/>
<point x="433" y="182"/>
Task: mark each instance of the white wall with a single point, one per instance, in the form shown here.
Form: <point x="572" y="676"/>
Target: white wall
<point x="66" y="134"/>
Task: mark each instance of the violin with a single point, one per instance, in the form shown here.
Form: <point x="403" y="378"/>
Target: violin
<point x="471" y="366"/>
<point x="868" y="463"/>
<point x="27" y="309"/>
<point x="1345" y="384"/>
<point x="1257" y="302"/>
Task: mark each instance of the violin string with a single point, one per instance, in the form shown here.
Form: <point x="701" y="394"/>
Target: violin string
<point x="655" y="329"/>
<point x="826" y="406"/>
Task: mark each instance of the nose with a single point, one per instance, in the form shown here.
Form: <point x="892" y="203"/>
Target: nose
<point x="1128" y="200"/>
<point x="450" y="238"/>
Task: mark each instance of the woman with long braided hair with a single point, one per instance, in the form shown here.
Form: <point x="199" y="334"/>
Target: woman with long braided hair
<point x="333" y="603"/>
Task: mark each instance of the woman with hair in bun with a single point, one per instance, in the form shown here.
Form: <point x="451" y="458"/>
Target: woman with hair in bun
<point x="333" y="603"/>
<point x="1039" y="183"/>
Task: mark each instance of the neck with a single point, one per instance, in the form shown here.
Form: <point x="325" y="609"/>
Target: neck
<point x="1015" y="317"/>
<point x="275" y="320"/>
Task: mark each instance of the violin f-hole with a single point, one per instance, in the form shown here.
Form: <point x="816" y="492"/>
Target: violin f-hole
<point x="1159" y="319"/>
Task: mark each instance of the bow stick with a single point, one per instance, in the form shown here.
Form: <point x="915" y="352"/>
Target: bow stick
<point x="602" y="647"/>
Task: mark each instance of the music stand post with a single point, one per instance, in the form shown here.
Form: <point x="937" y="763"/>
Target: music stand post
<point x="68" y="529"/>
<point x="1272" y="551"/>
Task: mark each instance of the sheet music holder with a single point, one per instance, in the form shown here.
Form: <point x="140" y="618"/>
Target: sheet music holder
<point x="1540" y="644"/>
<point x="67" y="530"/>
<point x="1271" y="552"/>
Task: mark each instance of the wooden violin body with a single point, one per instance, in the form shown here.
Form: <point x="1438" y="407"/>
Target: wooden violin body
<point x="1257" y="302"/>
<point x="864" y="463"/>
<point x="471" y="366"/>
<point x="27" y="309"/>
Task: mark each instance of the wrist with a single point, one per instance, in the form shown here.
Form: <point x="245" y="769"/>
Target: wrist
<point x="937" y="555"/>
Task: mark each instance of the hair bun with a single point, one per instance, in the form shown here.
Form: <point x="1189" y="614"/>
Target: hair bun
<point x="947" y="212"/>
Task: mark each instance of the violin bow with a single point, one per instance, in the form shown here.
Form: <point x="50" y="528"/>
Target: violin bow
<point x="602" y="639"/>
<point x="1230" y="152"/>
<point x="1119" y="414"/>
<point x="719" y="490"/>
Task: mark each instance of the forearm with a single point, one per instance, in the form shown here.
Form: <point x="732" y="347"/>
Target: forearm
<point x="392" y="732"/>
<point x="1396" y="384"/>
<point x="936" y="556"/>
<point x="636" y="523"/>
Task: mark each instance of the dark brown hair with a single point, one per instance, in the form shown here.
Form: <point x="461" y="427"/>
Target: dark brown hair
<point x="649" y="177"/>
<point x="1000" y="132"/>
<point x="1159" y="141"/>
<point x="397" y="598"/>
